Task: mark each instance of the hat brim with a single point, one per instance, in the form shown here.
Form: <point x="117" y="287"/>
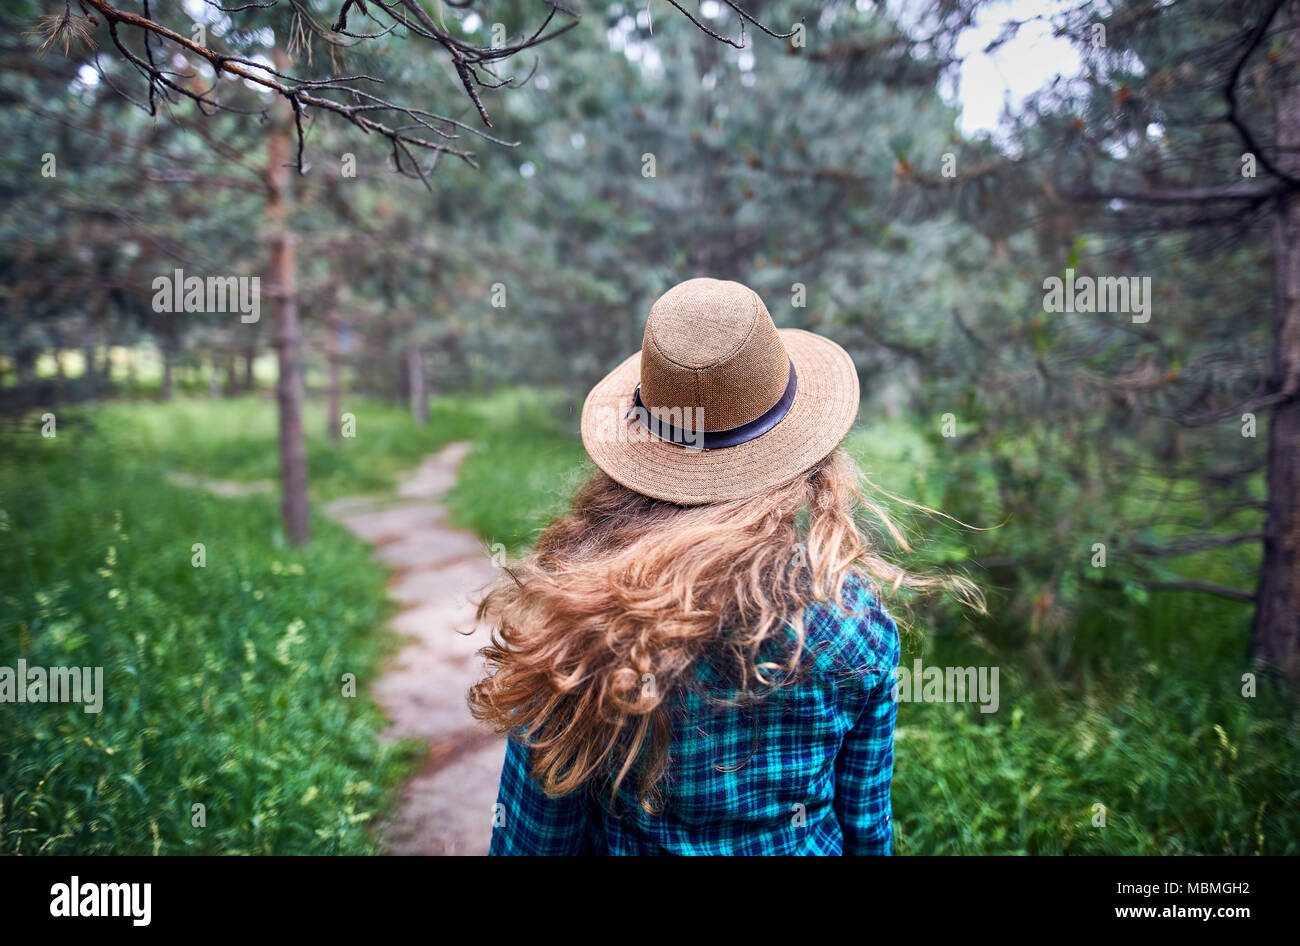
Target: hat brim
<point x="824" y="410"/>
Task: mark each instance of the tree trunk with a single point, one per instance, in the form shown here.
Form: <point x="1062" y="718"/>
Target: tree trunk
<point x="106" y="362"/>
<point x="88" y="380"/>
<point x="333" y="413"/>
<point x="1276" y="636"/>
<point x="60" y="374"/>
<point x="168" y="360"/>
<point x="419" y="397"/>
<point x="283" y="279"/>
<point x="250" y="355"/>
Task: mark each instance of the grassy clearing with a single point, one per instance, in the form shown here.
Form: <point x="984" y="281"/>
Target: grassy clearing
<point x="224" y="684"/>
<point x="236" y="439"/>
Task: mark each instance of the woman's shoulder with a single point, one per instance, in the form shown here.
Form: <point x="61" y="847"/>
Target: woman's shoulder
<point x="855" y="634"/>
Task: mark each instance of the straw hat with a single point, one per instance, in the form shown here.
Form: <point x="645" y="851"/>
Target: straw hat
<point x="718" y="404"/>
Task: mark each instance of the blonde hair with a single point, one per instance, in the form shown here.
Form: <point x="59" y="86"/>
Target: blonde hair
<point x="623" y="585"/>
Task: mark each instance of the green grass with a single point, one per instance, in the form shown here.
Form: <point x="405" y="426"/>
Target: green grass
<point x="1154" y="728"/>
<point x="224" y="684"/>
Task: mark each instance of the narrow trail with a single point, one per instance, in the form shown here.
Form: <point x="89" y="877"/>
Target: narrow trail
<point x="446" y="808"/>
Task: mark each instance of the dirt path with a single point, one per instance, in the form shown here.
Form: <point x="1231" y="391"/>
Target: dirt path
<point x="447" y="807"/>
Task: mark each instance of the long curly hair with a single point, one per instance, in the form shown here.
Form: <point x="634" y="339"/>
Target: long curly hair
<point x="625" y="590"/>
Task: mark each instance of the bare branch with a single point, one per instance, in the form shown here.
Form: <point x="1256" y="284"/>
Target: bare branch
<point x="369" y="112"/>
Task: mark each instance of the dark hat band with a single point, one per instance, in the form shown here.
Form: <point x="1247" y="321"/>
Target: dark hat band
<point x="717" y="439"/>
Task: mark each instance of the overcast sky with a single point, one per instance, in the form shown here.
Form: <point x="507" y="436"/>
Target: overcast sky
<point x="1014" y="71"/>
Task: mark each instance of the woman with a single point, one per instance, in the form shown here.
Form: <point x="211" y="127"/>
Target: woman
<point x="693" y="660"/>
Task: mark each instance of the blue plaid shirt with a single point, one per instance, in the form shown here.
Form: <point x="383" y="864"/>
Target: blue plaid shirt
<point x="805" y="769"/>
